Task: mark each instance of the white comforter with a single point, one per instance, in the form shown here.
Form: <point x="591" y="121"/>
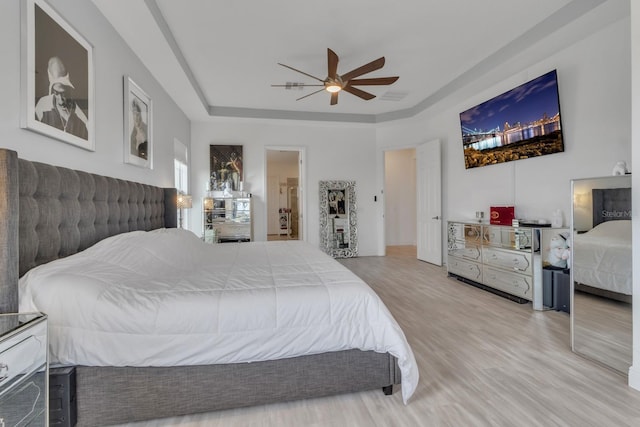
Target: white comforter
<point x="165" y="298"/>
<point x="602" y="257"/>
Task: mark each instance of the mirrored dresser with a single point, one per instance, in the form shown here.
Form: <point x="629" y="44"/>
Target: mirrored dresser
<point x="503" y="259"/>
<point x="24" y="382"/>
<point x="227" y="219"/>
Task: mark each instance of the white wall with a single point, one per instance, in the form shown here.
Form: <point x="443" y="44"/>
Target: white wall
<point x="595" y="103"/>
<point x="333" y="152"/>
<point x="284" y="167"/>
<point x="400" y="197"/>
<point x="112" y="60"/>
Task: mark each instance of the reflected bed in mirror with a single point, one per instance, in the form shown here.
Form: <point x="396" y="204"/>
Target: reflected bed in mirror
<point x="338" y="219"/>
<point x="602" y="270"/>
<point x="603" y="259"/>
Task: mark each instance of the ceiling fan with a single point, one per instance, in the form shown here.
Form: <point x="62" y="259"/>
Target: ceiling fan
<point x="334" y="83"/>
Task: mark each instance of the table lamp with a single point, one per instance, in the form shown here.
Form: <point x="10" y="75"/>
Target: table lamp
<point x="183" y="201"/>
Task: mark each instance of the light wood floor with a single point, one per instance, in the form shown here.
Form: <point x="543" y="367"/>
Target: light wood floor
<point x="603" y="330"/>
<point x="484" y="361"/>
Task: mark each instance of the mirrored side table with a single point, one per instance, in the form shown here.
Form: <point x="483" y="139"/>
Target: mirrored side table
<point x="24" y="376"/>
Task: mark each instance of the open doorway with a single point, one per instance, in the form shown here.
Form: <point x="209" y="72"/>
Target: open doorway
<point x="413" y="200"/>
<point x="400" y="222"/>
<point x="284" y="207"/>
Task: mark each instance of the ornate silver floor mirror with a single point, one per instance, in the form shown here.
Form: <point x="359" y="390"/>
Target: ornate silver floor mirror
<point x="338" y="218"/>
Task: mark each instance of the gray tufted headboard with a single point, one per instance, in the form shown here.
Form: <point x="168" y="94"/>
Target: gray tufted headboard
<point x="610" y="204"/>
<point x="50" y="212"/>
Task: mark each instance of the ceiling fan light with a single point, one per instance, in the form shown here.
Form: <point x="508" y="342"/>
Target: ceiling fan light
<point x="333" y="88"/>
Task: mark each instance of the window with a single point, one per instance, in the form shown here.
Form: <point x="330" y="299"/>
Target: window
<point x="181" y="174"/>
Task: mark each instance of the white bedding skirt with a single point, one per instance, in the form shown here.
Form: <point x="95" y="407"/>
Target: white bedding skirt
<point x="165" y="298"/>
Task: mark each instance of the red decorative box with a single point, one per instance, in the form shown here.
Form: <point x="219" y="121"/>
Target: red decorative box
<point x="501" y="215"/>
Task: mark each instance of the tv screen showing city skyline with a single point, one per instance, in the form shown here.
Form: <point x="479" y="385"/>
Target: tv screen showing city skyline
<point x="519" y="124"/>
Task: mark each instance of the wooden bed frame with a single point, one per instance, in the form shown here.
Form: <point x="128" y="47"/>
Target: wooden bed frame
<point x="51" y="212"/>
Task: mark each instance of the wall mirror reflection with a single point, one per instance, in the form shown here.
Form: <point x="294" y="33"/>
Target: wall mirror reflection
<point x="338" y="219"/>
<point x="601" y="317"/>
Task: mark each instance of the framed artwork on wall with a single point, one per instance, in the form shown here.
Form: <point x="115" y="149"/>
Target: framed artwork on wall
<point x="226" y="171"/>
<point x="519" y="124"/>
<point x="138" y="113"/>
<point x="56" y="77"/>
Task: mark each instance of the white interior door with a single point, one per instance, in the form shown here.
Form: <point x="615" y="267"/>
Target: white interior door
<point x="273" y="196"/>
<point x="429" y="202"/>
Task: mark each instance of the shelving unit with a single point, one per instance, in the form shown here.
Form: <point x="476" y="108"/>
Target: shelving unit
<point x="285" y="223"/>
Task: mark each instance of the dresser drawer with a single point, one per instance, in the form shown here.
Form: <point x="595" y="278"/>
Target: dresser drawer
<point x="473" y="233"/>
<point x="233" y="231"/>
<point x="22" y="354"/>
<point x="497" y="236"/>
<point x="470" y="270"/>
<point x="510" y="260"/>
<point x="23" y="369"/>
<point x="512" y="283"/>
<point x="471" y="253"/>
<point x="25" y="402"/>
<point x="508" y="237"/>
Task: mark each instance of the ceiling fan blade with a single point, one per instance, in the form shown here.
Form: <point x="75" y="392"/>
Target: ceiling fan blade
<point x="334" y="98"/>
<point x="357" y="92"/>
<point x="373" y="81"/>
<point x="300" y="85"/>
<point x="366" y="68"/>
<point x="301" y="72"/>
<point x="309" y="94"/>
<point x="332" y="60"/>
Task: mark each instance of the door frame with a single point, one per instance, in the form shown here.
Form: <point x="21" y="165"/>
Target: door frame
<point x="382" y="244"/>
<point x="302" y="198"/>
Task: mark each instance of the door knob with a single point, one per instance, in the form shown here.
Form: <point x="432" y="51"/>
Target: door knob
<point x="435" y="217"/>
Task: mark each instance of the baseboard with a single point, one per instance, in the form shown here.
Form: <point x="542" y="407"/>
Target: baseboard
<point x="490" y="289"/>
<point x="634" y="377"/>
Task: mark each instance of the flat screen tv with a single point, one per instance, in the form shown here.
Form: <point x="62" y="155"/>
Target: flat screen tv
<point x="519" y="124"/>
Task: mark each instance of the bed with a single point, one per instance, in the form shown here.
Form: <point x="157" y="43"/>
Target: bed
<point x="602" y="255"/>
<point x="53" y="213"/>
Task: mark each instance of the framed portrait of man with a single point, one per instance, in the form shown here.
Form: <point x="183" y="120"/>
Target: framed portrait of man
<point x="57" y="77"/>
<point x="337" y="200"/>
<point x="138" y="144"/>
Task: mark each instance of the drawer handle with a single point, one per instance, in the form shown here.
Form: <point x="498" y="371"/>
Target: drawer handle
<point x="515" y="267"/>
<point x="524" y="286"/>
<point x="4" y="371"/>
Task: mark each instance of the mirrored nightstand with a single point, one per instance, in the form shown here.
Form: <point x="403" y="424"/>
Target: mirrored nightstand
<point x="24" y="376"/>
